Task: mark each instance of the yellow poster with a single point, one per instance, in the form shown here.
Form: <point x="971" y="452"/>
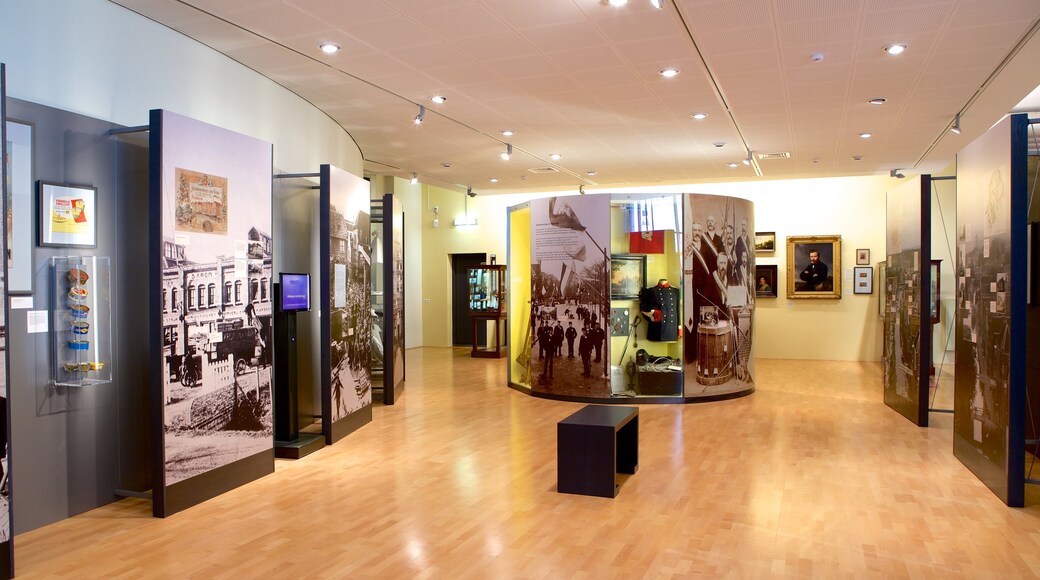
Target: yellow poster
<point x="201" y="202"/>
<point x="69" y="216"/>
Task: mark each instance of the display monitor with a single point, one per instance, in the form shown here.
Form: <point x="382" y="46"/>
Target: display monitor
<point x="295" y="292"/>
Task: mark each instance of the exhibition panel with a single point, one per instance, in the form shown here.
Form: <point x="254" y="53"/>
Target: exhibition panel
<point x="388" y="266"/>
<point x="6" y="537"/>
<point x="989" y="395"/>
<point x="346" y="330"/>
<point x="211" y="280"/>
<point x="662" y="317"/>
<point x="907" y="320"/>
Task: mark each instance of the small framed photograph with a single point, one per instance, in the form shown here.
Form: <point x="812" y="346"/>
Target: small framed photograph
<point x="863" y="257"/>
<point x="765" y="242"/>
<point x="765" y="281"/>
<point x="67" y="215"/>
<point x="863" y="280"/>
<point x="814" y="267"/>
<point x="627" y="276"/>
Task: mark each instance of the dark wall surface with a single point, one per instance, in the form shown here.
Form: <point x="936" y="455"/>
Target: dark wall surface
<point x="72" y="447"/>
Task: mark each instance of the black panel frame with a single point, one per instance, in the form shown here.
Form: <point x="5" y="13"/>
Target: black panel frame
<point x="7" y="548"/>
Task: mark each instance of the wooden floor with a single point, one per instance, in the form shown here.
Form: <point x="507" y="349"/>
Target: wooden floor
<point x="811" y="476"/>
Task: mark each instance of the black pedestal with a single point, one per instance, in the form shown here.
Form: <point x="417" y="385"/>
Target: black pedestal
<point x="286" y="398"/>
<point x="594" y="444"/>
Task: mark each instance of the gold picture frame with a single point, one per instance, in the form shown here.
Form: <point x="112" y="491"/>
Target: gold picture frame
<point x="816" y="280"/>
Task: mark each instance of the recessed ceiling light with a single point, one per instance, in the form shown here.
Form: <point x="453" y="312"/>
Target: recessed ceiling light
<point x="719" y="144"/>
<point x="699" y="116"/>
<point x="555" y="156"/>
<point x="857" y="158"/>
<point x="732" y="165"/>
<point x="329" y="47"/>
<point x="816" y="57"/>
<point x="895" y="49"/>
<point x="865" y="135"/>
<point x="618" y="2"/>
<point x="494" y="180"/>
<point x="590" y="173"/>
<point x="877" y="101"/>
<point x="669" y="72"/>
<point x="439" y="99"/>
<point x="507" y="133"/>
<point x="446" y="165"/>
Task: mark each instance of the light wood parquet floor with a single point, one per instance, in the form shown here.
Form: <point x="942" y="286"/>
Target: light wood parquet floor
<point x="811" y="476"/>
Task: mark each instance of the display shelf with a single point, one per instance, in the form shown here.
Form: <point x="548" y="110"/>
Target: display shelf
<point x="81" y="313"/>
<point x="487" y="289"/>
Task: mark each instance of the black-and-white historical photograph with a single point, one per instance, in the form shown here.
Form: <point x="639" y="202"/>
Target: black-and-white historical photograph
<point x="719" y="306"/>
<point x="902" y="308"/>
<point x="350" y="268"/>
<point x="570" y="296"/>
<point x="216" y="306"/>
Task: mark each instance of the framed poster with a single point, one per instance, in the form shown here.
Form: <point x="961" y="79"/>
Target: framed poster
<point x="814" y="267"/>
<point x="627" y="276"/>
<point x="765" y="242"/>
<point x="863" y="280"/>
<point x="765" y="281"/>
<point x="18" y="163"/>
<point x="68" y="216"/>
<point x="863" y="257"/>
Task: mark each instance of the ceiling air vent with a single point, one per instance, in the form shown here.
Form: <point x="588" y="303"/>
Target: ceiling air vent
<point x="784" y="155"/>
<point x="543" y="170"/>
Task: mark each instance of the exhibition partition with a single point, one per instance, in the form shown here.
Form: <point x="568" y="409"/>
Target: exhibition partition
<point x="907" y="307"/>
<point x="388" y="293"/>
<point x="992" y="279"/>
<point x="346" y="330"/>
<point x="210" y="324"/>
<point x="612" y="302"/>
<point x="6" y="537"/>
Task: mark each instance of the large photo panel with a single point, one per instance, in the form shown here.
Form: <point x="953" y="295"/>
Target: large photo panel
<point x="989" y="379"/>
<point x="907" y="326"/>
<point x="570" y="287"/>
<point x="346" y="282"/>
<point x="212" y="307"/>
<point x="719" y="287"/>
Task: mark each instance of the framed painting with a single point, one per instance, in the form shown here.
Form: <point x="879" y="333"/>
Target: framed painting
<point x="863" y="257"/>
<point x="627" y="276"/>
<point x="18" y="161"/>
<point x="765" y="242"/>
<point x="814" y="267"/>
<point x="863" y="280"/>
<point x="765" y="281"/>
<point x="67" y="215"/>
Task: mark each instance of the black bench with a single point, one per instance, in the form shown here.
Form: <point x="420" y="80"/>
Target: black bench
<point x="592" y="445"/>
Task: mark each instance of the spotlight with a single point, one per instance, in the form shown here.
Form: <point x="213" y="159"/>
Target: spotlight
<point x="421" y="116"/>
<point x="470" y="192"/>
<point x="747" y="160"/>
<point x="956" y="128"/>
<point x="877" y="101"/>
<point x="507" y="133"/>
<point x="329" y="47"/>
<point x="699" y="116"/>
<point x="439" y="99"/>
<point x="493" y="180"/>
<point x="895" y="173"/>
<point x="415" y="178"/>
<point x="590" y="173"/>
<point x="507" y="152"/>
<point x="733" y="165"/>
<point x="895" y="49"/>
<point x="555" y="156"/>
<point x="668" y="72"/>
<point x="865" y="135"/>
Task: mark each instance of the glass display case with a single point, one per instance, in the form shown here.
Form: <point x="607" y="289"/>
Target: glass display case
<point x="81" y="304"/>
<point x="487" y="289"/>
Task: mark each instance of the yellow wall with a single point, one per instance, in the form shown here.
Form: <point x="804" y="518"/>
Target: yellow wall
<point x="519" y="294"/>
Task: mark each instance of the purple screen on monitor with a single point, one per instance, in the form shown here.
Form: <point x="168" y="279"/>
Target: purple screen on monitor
<point x="296" y="291"/>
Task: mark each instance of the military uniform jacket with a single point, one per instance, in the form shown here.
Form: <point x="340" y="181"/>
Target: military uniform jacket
<point x="665" y="299"/>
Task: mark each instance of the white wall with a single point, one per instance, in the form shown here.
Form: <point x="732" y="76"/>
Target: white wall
<point x="98" y="59"/>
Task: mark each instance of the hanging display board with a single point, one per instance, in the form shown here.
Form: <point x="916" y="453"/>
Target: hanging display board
<point x="393" y="284"/>
<point x="989" y="392"/>
<point x="570" y="283"/>
<point x="6" y="541"/>
<point x="346" y="330"/>
<point x="907" y="323"/>
<point x="719" y="286"/>
<point x="211" y="310"/>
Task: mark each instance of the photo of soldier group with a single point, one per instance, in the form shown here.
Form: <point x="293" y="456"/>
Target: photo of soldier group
<point x="718" y="272"/>
<point x="570" y="297"/>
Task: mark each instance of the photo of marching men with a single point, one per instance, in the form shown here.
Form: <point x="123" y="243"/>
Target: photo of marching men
<point x="570" y="296"/>
<point x="349" y="316"/>
<point x="718" y="272"/>
<point x="217" y="299"/>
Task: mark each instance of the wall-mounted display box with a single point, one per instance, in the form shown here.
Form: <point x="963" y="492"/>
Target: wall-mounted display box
<point x="487" y="289"/>
<point x="82" y="318"/>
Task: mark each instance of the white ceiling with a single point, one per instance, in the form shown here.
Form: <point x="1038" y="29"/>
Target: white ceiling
<point x="580" y="78"/>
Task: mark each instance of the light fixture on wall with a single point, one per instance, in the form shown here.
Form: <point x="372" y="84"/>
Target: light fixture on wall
<point x="956" y="128"/>
<point x="509" y="151"/>
<point x="421" y="116"/>
<point x="415" y="178"/>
